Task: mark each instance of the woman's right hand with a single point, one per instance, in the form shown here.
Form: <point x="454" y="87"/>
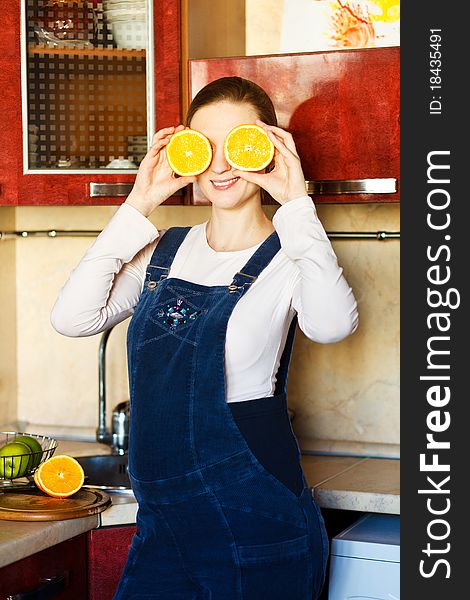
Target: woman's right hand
<point x="155" y="181"/>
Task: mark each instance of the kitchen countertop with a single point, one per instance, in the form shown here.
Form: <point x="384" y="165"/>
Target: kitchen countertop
<point x="341" y="482"/>
<point x="19" y="539"/>
<point x="354" y="483"/>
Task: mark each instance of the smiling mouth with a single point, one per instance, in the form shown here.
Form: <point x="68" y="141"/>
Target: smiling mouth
<point x="224" y="185"/>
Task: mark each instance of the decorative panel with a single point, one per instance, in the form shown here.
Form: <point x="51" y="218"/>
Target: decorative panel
<point x="341" y="106"/>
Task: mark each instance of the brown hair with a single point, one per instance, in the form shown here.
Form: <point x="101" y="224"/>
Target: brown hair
<point x="234" y="89"/>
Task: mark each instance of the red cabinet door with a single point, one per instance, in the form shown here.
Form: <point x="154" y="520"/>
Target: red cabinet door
<point x="108" y="548"/>
<point x="342" y="108"/>
<point x="18" y="187"/>
<point x="58" y="572"/>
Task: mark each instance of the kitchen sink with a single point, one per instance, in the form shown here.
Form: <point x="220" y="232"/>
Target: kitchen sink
<point x="107" y="472"/>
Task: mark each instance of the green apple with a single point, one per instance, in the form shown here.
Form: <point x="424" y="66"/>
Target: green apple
<point x="14" y="460"/>
<point x="35" y="447"/>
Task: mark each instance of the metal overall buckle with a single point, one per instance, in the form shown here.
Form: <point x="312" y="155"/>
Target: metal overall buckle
<point x="233" y="287"/>
<point x="151" y="285"/>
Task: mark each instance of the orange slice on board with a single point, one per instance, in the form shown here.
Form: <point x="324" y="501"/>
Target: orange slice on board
<point x="36" y="481"/>
<point x="60" y="476"/>
<point x="189" y="152"/>
<point x="248" y="148"/>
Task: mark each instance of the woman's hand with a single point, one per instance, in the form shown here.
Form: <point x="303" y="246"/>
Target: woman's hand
<point x="286" y="181"/>
<point x="155" y="181"/>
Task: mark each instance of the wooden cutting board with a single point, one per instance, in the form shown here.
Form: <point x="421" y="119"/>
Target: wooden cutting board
<point x="35" y="505"/>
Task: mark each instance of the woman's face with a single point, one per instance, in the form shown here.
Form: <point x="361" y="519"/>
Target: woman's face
<point x="218" y="183"/>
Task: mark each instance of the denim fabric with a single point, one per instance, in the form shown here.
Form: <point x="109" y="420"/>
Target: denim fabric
<point x="213" y="522"/>
<point x="263" y="421"/>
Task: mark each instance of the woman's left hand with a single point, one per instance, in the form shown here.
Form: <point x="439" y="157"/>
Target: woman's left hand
<point x="286" y="181"/>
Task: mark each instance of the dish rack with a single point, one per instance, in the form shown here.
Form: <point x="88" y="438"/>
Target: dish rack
<point x="26" y="466"/>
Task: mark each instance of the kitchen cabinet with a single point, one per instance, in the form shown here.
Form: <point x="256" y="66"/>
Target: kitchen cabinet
<point x="342" y="108"/>
<point x="58" y="572"/>
<point x="81" y="91"/>
<point x="108" y="548"/>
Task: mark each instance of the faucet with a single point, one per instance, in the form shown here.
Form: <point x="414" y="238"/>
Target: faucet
<point x="118" y="437"/>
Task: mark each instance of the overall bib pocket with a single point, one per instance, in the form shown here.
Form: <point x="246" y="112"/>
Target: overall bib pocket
<point x="172" y="315"/>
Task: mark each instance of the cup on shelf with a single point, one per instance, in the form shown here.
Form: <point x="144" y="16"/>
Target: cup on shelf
<point x="130" y="34"/>
<point x="128" y="22"/>
<point x="121" y="163"/>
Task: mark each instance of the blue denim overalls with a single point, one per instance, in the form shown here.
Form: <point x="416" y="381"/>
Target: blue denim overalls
<point x="213" y="523"/>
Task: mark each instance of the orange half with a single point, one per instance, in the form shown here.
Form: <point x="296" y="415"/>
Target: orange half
<point x="189" y="152"/>
<point x="60" y="476"/>
<point x="248" y="148"/>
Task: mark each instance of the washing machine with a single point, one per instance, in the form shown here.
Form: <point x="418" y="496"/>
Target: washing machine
<point x="365" y="560"/>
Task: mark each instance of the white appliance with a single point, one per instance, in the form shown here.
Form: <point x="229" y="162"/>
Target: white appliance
<point x="365" y="560"/>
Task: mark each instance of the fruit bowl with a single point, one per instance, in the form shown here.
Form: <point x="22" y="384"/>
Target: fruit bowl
<point x="21" y="459"/>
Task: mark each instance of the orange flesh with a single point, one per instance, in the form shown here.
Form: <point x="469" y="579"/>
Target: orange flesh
<point x="248" y="148"/>
<point x="189" y="152"/>
<point x="60" y="476"/>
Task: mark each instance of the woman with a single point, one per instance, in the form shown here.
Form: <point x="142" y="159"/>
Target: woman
<point x="224" y="507"/>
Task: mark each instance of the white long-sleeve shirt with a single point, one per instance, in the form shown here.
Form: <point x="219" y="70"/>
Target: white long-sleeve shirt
<point x="303" y="277"/>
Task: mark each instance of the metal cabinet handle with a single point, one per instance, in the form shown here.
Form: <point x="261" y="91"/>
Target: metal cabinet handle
<point x="49" y="587"/>
<point x="326" y="187"/>
<point x="110" y="189"/>
<point x="115" y="189"/>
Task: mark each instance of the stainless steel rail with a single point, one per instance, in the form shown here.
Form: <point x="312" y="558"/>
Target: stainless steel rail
<point x="330" y="187"/>
<point x="362" y="235"/>
<point x="53" y="233"/>
<point x="318" y="187"/>
<point x="98" y="190"/>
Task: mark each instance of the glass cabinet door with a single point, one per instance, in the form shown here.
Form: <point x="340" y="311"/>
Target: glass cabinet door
<point x="87" y="85"/>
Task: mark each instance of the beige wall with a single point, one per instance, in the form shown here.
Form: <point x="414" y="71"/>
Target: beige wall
<point x="345" y="395"/>
<point x="8" y="375"/>
<point x="349" y="391"/>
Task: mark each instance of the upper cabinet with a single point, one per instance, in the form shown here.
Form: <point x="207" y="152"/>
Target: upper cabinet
<point x="85" y="84"/>
<point x="342" y="108"/>
<point x="332" y="70"/>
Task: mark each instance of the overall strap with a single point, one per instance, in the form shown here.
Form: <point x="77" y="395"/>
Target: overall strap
<point x="281" y="378"/>
<point x="258" y="261"/>
<point x="166" y="249"/>
<point x="248" y="275"/>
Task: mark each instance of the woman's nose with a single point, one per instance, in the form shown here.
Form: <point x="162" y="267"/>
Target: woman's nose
<point x="219" y="163"/>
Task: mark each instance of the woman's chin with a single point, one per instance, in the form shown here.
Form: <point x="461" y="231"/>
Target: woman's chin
<point x="226" y="201"/>
<point x="230" y="198"/>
